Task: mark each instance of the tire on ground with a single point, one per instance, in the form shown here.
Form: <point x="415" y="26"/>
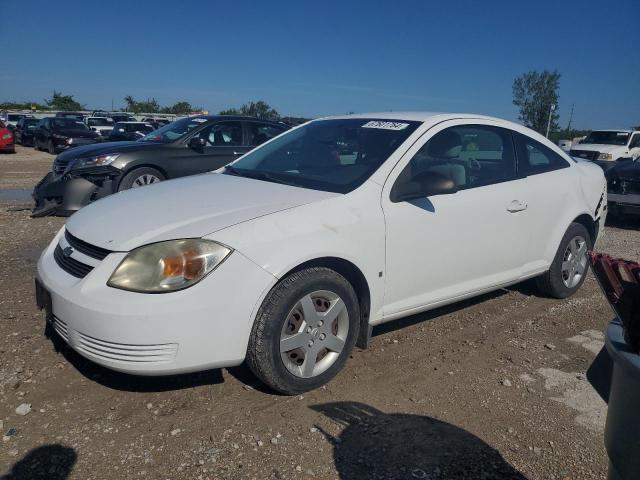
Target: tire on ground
<point x="551" y="283"/>
<point x="263" y="352"/>
<point x="127" y="181"/>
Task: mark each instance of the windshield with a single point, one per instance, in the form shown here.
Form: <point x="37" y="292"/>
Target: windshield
<point x="30" y="122"/>
<point x="100" y="122"/>
<point x="607" y="138"/>
<point x="330" y="155"/>
<point x="174" y="130"/>
<point x="68" y="123"/>
<point x="14" y="117"/>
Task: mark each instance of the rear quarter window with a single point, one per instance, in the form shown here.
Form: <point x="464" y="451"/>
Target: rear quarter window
<point x="535" y="158"/>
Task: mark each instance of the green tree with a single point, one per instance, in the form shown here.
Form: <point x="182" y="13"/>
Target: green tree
<point x="22" y="106"/>
<point x="180" y="108"/>
<point x="58" y="101"/>
<point x="135" y="106"/>
<point x="257" y="109"/>
<point x="534" y="93"/>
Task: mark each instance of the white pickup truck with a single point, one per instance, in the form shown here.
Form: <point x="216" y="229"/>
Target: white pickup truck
<point x="102" y="125"/>
<point x="604" y="146"/>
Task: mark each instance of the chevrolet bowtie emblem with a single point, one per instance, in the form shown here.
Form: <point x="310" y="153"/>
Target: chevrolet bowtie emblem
<point x="67" y="251"/>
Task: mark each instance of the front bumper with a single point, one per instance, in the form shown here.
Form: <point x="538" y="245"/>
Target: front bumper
<point x="69" y="192"/>
<point x="204" y="326"/>
<point x="627" y="204"/>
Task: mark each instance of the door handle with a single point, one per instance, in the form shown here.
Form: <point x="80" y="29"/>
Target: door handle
<point x="239" y="153"/>
<point x="516" y="206"/>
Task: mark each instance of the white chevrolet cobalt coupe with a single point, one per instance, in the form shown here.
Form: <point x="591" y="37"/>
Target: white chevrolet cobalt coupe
<point x="287" y="257"/>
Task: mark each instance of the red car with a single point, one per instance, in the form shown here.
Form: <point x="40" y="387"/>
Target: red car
<point x="6" y="140"/>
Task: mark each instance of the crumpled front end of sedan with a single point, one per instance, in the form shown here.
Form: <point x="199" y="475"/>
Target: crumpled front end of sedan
<point x="204" y="326"/>
<point x="63" y="191"/>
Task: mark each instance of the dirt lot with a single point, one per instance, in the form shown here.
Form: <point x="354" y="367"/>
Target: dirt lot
<point x="492" y="388"/>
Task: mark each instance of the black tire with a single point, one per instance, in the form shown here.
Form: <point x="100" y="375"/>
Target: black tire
<point x="51" y="148"/>
<point x="263" y="352"/>
<point x="130" y="178"/>
<point x="551" y="283"/>
<point x="35" y="145"/>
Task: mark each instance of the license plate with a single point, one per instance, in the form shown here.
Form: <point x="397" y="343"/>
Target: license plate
<point x="43" y="300"/>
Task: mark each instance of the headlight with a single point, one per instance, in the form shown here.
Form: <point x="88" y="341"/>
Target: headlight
<point x="6" y="136"/>
<point x="97" y="161"/>
<point x="168" y="266"/>
<point x="605" y="156"/>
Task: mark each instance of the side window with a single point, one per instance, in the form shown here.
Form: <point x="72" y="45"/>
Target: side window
<point x="635" y="141"/>
<point x="224" y="134"/>
<point x="471" y="155"/>
<point x="534" y="157"/>
<point x="261" y="132"/>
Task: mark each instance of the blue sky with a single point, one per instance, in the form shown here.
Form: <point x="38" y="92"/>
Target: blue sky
<point x="324" y="57"/>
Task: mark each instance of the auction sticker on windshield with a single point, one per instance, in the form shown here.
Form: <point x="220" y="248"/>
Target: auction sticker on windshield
<point x="385" y="125"/>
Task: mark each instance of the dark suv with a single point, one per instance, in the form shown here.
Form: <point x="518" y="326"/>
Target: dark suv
<point x="25" y="128"/>
<point x="60" y="133"/>
<point x="186" y="147"/>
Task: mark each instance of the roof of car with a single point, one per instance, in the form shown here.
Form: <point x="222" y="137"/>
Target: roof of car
<point x="413" y="116"/>
<point x="234" y="117"/>
<point x="621" y="130"/>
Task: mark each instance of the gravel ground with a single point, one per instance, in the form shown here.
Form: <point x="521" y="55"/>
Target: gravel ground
<point x="491" y="388"/>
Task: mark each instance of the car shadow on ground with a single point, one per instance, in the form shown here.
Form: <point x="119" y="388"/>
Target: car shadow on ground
<point x="373" y="444"/>
<point x="48" y="462"/>
<point x="132" y="383"/>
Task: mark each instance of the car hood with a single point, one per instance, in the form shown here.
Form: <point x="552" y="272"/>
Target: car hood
<point x="105" y="148"/>
<point x="189" y="207"/>
<point x="597" y="147"/>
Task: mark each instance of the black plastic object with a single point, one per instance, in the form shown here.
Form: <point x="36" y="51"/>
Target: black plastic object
<point x="622" y="431"/>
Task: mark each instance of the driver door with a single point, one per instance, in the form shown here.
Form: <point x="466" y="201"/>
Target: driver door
<point x="446" y="247"/>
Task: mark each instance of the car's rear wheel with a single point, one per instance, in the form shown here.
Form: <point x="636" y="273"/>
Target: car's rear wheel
<point x="140" y="177"/>
<point x="304" y="331"/>
<point x="570" y="265"/>
<point x="51" y="147"/>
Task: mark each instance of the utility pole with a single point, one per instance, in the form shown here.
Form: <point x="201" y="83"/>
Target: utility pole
<point x="551" y="109"/>
<point x="570" y="118"/>
<point x="112" y="104"/>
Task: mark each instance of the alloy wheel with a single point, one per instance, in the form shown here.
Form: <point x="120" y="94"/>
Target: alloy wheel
<point x="146" y="179"/>
<point x="314" y="334"/>
<point x="574" y="262"/>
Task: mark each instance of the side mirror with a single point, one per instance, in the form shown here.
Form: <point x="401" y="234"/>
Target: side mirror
<point x="197" y="143"/>
<point x="423" y="185"/>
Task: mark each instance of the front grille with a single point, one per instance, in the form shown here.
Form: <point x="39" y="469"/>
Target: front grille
<point x="86" y="248"/>
<point x="101" y="349"/>
<point x="71" y="265"/>
<point x="59" y="166"/>
<point x="586" y="154"/>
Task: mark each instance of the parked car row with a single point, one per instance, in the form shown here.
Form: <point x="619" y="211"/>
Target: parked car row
<point x="110" y="126"/>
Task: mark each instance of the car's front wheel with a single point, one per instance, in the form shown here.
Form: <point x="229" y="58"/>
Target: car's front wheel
<point x="140" y="177"/>
<point x="51" y="147"/>
<point x="304" y="331"/>
<point x="570" y="265"/>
